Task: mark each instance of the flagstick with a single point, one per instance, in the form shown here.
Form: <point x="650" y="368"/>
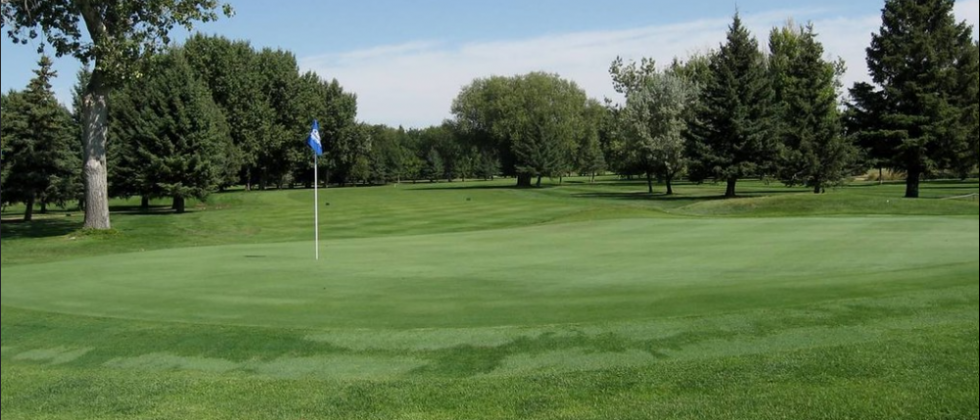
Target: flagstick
<point x="316" y="205"/>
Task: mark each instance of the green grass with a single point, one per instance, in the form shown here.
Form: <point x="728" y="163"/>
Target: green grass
<point x="478" y="301"/>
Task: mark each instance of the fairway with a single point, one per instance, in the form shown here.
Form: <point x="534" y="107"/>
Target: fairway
<point x="483" y="302"/>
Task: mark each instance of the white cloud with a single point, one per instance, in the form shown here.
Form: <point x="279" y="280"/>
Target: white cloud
<point x="413" y="84"/>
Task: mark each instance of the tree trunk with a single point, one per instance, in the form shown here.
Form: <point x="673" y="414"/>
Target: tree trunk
<point x="881" y="176"/>
<point x="539" y="181"/>
<point x="592" y="181"/>
<point x="29" y="210"/>
<point x="95" y="131"/>
<point x="817" y="188"/>
<point x="670" y="185"/>
<point x="145" y="204"/>
<point x="180" y="206"/>
<point x="650" y="183"/>
<point x="524" y="181"/>
<point x="912" y="184"/>
<point x="44" y="207"/>
<point x="730" y="191"/>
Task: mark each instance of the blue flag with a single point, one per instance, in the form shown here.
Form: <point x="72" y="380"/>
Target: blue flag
<point x="314" y="140"/>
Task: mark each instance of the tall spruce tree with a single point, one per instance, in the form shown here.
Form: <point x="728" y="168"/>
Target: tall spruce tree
<point x="916" y="113"/>
<point x="815" y="151"/>
<point x="731" y="137"/>
<point x="40" y="152"/>
<point x="176" y="139"/>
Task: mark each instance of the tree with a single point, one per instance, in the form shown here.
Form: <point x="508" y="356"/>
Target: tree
<point x="39" y="154"/>
<point x="532" y="121"/>
<point x="118" y="36"/>
<point x="654" y="118"/>
<point x="918" y="109"/>
<point x="815" y="151"/>
<point x="178" y="142"/>
<point x="230" y="70"/>
<point x="590" y="160"/>
<point x="731" y="136"/>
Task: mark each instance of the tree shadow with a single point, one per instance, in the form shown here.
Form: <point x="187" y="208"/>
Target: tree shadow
<point x="139" y="211"/>
<point x="40" y="228"/>
<point x="477" y="187"/>
<point x="642" y="196"/>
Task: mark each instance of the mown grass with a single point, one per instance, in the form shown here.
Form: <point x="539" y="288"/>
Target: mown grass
<point x="485" y="302"/>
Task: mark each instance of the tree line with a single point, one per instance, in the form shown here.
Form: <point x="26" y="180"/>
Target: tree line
<point x="215" y="113"/>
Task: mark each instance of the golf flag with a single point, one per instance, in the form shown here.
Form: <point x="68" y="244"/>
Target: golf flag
<point x="314" y="140"/>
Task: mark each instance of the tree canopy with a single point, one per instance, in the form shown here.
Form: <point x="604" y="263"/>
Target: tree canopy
<point x="731" y="137"/>
<point x="918" y="114"/>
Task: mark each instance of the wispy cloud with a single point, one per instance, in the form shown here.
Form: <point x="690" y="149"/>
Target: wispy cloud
<point x="413" y="84"/>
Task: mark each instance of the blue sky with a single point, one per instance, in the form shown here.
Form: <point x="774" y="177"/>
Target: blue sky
<point x="407" y="59"/>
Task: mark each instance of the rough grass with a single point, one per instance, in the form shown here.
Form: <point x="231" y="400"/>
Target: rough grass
<point x="485" y="302"/>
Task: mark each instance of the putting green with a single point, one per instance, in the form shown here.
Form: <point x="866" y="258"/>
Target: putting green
<point x="598" y="272"/>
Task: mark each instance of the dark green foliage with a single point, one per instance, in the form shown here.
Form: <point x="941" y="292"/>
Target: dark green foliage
<point x="815" y="152"/>
<point x="174" y="141"/>
<point x="590" y="160"/>
<point x="731" y="137"/>
<point x="917" y="114"/>
<point x="41" y="161"/>
<point x="228" y="69"/>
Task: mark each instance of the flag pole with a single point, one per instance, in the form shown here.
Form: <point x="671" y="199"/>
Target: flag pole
<point x="316" y="201"/>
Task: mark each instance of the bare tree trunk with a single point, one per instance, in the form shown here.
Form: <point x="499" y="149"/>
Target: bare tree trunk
<point x="912" y="183"/>
<point x="539" y="181"/>
<point x="145" y="203"/>
<point x="650" y="183"/>
<point x="670" y="185"/>
<point x="95" y="130"/>
<point x="180" y="205"/>
<point x="524" y="181"/>
<point x="29" y="211"/>
<point x="881" y="176"/>
<point x="730" y="191"/>
<point x="44" y="207"/>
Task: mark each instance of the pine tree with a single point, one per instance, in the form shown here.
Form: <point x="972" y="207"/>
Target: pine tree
<point x="815" y="151"/>
<point x="175" y="138"/>
<point x="916" y="113"/>
<point x="40" y="151"/>
<point x="731" y="136"/>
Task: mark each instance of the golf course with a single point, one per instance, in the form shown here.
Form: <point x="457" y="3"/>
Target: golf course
<point x="477" y="300"/>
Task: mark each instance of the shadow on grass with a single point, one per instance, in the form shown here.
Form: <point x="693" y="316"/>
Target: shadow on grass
<point x="643" y="196"/>
<point x="478" y="187"/>
<point x="39" y="228"/>
<point x="151" y="211"/>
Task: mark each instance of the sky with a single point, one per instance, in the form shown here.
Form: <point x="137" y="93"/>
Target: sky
<point x="408" y="59"/>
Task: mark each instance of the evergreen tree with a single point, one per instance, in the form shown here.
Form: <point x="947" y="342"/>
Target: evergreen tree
<point x="918" y="112"/>
<point x="230" y="70"/>
<point x="815" y="151"/>
<point x="176" y="139"/>
<point x="40" y="152"/>
<point x="731" y="136"/>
